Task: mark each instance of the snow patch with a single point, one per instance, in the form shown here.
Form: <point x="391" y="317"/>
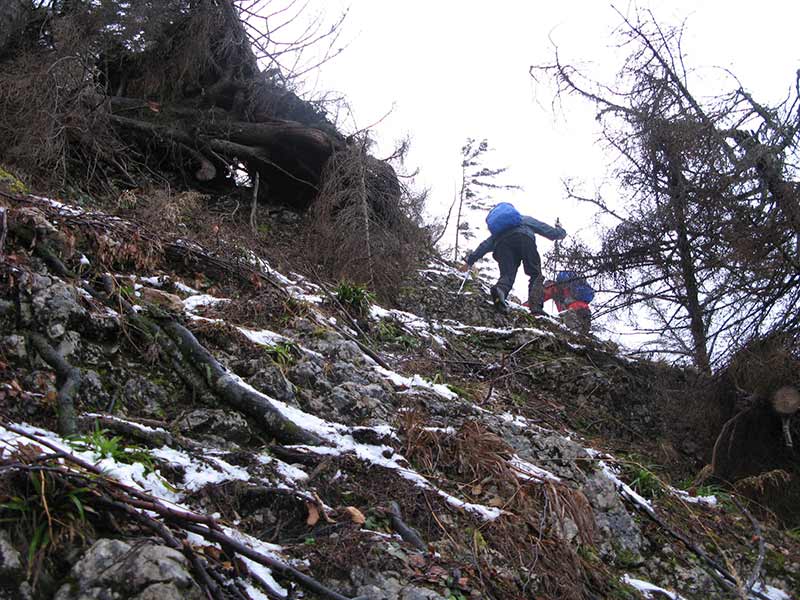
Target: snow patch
<point x="686" y="497"/>
<point x="527" y="471"/>
<point x="289" y="472"/>
<point x="771" y="592"/>
<point x="263" y="337"/>
<point x="138" y="426"/>
<point x="624" y="488"/>
<point x="647" y="588"/>
<point x="270" y="550"/>
<point x="403" y="382"/>
<point x="199" y="475"/>
<point x="198" y="300"/>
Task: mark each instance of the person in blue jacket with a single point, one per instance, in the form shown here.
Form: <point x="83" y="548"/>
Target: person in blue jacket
<point x="512" y="246"/>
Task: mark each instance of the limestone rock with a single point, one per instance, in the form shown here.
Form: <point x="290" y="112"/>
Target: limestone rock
<point x="54" y="305"/>
<point x="161" y="298"/>
<point x="270" y="380"/>
<point x="144" y="396"/>
<point x="217" y="423"/>
<point x="117" y="570"/>
<point x="11" y="569"/>
<point x="621" y="536"/>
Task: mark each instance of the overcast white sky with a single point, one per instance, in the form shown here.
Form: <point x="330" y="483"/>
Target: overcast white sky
<point x="453" y="69"/>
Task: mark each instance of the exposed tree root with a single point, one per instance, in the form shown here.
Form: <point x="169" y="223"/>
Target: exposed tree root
<point x="407" y="533"/>
<point x="70" y="381"/>
<point x="233" y="391"/>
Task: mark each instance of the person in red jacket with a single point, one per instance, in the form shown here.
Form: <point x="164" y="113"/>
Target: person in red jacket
<point x="575" y="314"/>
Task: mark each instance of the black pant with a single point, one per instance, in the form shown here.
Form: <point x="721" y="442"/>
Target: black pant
<point x="518" y="248"/>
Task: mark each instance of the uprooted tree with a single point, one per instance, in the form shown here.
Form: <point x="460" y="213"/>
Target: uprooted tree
<point x="706" y="240"/>
<point x="107" y="96"/>
<point x="100" y="95"/>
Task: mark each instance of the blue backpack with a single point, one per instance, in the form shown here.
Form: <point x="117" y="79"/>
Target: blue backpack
<point x="580" y="288"/>
<point x="502" y="218"/>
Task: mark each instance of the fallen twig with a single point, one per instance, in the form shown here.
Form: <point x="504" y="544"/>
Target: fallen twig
<point x="153" y="437"/>
<point x="406" y="532"/>
<point x="757" y="536"/>
<point x="273" y="563"/>
<point x="3" y="228"/>
<point x="139" y="506"/>
<point x="254" y="204"/>
<point x="718" y="571"/>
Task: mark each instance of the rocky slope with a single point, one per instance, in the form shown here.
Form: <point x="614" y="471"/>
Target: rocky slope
<point x="245" y="432"/>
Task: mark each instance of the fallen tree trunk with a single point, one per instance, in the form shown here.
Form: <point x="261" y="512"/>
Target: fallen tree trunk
<point x="281" y="151"/>
<point x="235" y="392"/>
<point x="295" y="153"/>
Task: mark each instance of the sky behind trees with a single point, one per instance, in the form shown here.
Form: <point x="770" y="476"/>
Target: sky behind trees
<point x="452" y="70"/>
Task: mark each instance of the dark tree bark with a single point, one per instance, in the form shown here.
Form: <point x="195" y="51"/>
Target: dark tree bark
<point x="13" y="18"/>
<point x="677" y="188"/>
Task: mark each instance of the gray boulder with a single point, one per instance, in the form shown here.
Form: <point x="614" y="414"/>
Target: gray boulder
<point x="216" y="426"/>
<point x="621" y="537"/>
<point x="11" y="569"/>
<point x="309" y="374"/>
<point x="269" y="379"/>
<point x="387" y="586"/>
<point x="54" y="305"/>
<point x="117" y="570"/>
<point x="142" y="397"/>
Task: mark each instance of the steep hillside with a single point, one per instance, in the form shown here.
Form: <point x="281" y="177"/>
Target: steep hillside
<point x="186" y="415"/>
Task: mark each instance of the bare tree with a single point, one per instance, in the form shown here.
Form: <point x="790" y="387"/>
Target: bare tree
<point x="709" y="200"/>
<point x="477" y="180"/>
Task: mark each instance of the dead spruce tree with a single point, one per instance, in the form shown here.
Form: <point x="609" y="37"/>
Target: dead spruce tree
<point x="365" y="223"/>
<point x="705" y="243"/>
<point x="477" y="180"/>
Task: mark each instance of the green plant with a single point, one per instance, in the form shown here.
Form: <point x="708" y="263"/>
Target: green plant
<point x="588" y="553"/>
<point x="44" y="512"/>
<point x="127" y="293"/>
<point x="457" y="389"/>
<point x="712" y="490"/>
<point x="104" y="446"/>
<point x="292" y="308"/>
<point x="627" y="558"/>
<point x="13" y="183"/>
<point x="284" y="353"/>
<point x="377" y="523"/>
<point x="354" y="297"/>
<point x="388" y="331"/>
<point x="794" y="533"/>
<point x="646" y="483"/>
<point x="518" y="399"/>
